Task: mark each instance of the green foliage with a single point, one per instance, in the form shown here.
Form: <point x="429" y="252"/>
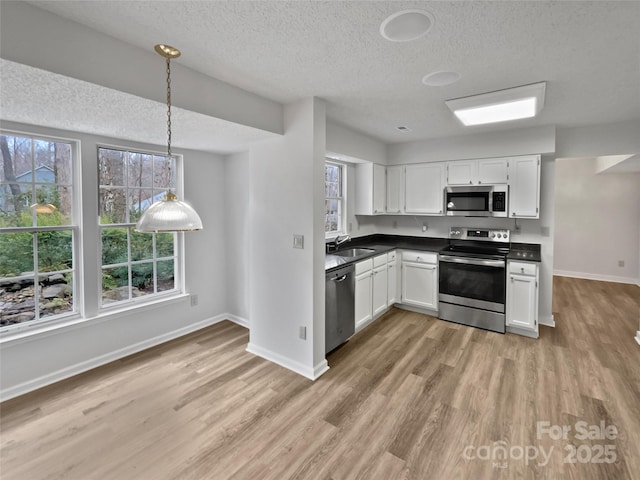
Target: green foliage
<point x="16" y="253"/>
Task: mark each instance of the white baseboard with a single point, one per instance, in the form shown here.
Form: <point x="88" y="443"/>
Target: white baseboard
<point x="547" y="321"/>
<point x="289" y="364"/>
<point x="243" y="322"/>
<point x="597" y="276"/>
<point x="100" y="360"/>
<point x="638" y="337"/>
<point x="522" y="331"/>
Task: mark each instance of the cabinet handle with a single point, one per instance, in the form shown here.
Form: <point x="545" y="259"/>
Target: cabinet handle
<point x="522" y="269"/>
<point x="479" y="182"/>
<point x="470" y="182"/>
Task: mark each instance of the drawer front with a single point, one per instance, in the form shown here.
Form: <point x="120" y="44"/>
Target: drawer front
<point x="379" y="260"/>
<point x="523" y="268"/>
<point x="364" y="266"/>
<point x="391" y="256"/>
<point x="420" y="257"/>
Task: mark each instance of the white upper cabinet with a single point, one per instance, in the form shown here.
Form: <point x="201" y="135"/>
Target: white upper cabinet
<point x="462" y="172"/>
<point x="487" y="171"/>
<point x="394" y="189"/>
<point x="424" y="188"/>
<point x="370" y="189"/>
<point x="492" y="171"/>
<point x="524" y="186"/>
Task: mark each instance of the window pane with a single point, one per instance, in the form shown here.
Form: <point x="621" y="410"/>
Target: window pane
<point x="142" y="278"/>
<point x="113" y="205"/>
<point x="16" y="254"/>
<point x="115" y="284"/>
<point x="164" y="244"/>
<point x="164" y="172"/>
<point x="17" y="303"/>
<point x="331" y="207"/>
<point x="332" y="173"/>
<point x="139" y="201"/>
<point x="166" y="277"/>
<point x="56" y="296"/>
<point x="17" y="163"/>
<point x="141" y="246"/>
<point x="332" y="189"/>
<point x="114" y="246"/>
<point x="15" y="200"/>
<point x="53" y="205"/>
<point x="140" y="169"/>
<point x="111" y="164"/>
<point x="55" y="250"/>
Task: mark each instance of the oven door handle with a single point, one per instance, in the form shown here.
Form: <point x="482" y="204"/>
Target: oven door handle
<point x="473" y="261"/>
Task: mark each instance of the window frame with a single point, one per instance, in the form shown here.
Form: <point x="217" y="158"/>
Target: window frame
<point x="77" y="270"/>
<point x="178" y="245"/>
<point x="342" y="230"/>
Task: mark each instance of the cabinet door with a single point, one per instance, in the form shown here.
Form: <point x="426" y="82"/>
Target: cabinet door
<point x="462" y="172"/>
<point x="392" y="282"/>
<point x="379" y="290"/>
<point x="394" y="189"/>
<point x="524" y="186"/>
<point x="420" y="285"/>
<point x="363" y="298"/>
<point x="424" y="190"/>
<point x="379" y="189"/>
<point x="492" y="171"/>
<point x="522" y="302"/>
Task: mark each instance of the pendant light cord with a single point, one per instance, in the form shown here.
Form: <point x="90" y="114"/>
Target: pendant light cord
<point x="168" y="106"/>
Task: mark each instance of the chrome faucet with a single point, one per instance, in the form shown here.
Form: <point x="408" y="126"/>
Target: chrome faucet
<point x="337" y="242"/>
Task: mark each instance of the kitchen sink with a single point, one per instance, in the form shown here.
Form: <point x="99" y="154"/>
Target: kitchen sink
<point x="353" y="252"/>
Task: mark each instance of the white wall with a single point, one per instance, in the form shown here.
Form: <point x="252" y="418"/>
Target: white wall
<point x="597" y="222"/>
<point x="598" y="140"/>
<point x="36" y="37"/>
<point x="522" y="141"/>
<point x="286" y="285"/>
<point x="40" y="359"/>
<point x="237" y="232"/>
<point x="347" y="144"/>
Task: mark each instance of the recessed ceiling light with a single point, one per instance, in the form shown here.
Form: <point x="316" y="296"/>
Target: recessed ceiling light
<point x="440" y="79"/>
<point x="500" y="106"/>
<point x="406" y="25"/>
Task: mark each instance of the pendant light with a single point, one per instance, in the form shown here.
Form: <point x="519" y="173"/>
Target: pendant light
<point x="169" y="214"/>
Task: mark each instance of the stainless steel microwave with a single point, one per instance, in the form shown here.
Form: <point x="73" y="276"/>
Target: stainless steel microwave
<point x="477" y="201"/>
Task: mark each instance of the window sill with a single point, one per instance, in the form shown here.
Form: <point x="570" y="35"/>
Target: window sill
<point x="55" y="327"/>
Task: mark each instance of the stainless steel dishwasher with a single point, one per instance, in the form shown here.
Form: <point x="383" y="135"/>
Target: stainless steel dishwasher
<point x="339" y="306"/>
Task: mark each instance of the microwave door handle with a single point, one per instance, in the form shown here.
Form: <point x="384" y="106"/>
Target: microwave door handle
<point x="472" y="261"/>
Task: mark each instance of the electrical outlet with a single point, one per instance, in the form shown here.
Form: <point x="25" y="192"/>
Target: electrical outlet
<point x="350" y="226"/>
<point x="298" y="241"/>
<point x="395" y="224"/>
<point x="194" y="300"/>
<point x="303" y="333"/>
<point x="621" y="263"/>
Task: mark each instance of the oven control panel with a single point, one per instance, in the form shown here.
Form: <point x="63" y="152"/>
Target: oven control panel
<point x="482" y="234"/>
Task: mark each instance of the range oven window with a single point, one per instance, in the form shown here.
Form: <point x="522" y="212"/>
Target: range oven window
<point x="468" y="201"/>
<point x="472" y="281"/>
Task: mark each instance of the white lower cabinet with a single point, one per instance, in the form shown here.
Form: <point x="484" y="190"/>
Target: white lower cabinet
<point x="522" y="298"/>
<point x="420" y="279"/>
<point x="363" y="300"/>
<point x="371" y="289"/>
<point x="393" y="279"/>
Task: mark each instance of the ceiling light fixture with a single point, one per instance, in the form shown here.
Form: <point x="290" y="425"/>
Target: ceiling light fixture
<point x="406" y="25"/>
<point x="169" y="214"/>
<point x="499" y="106"/>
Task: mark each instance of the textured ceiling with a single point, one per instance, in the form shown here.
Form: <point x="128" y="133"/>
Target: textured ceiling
<point x="38" y="97"/>
<point x="588" y="52"/>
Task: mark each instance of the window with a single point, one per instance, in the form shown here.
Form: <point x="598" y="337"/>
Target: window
<point x="134" y="264"/>
<point x="38" y="230"/>
<point x="334" y="199"/>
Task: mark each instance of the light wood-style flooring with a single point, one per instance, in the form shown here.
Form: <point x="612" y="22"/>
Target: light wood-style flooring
<point x="410" y="397"/>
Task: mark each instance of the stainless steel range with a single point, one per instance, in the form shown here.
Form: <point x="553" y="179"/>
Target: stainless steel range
<point x="472" y="278"/>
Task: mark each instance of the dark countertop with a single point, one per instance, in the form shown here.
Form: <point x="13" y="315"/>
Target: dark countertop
<point x="526" y="252"/>
<point x="382" y="244"/>
<point x="379" y="243"/>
